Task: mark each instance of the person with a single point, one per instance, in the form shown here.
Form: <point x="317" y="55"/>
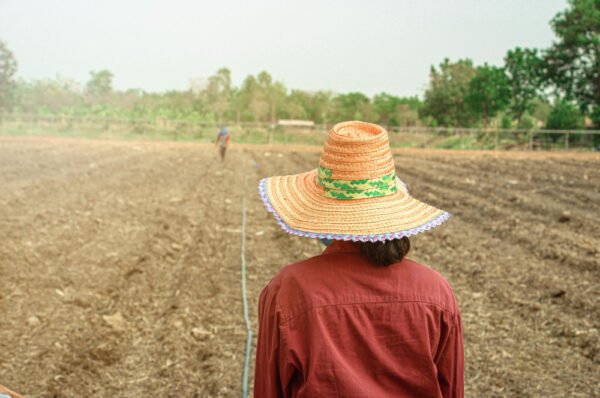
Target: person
<point x="361" y="319"/>
<point x="223" y="140"/>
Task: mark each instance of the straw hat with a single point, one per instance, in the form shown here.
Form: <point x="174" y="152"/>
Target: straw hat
<point x="354" y="194"/>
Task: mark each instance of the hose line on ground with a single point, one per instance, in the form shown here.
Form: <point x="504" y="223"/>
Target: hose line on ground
<point x="245" y="296"/>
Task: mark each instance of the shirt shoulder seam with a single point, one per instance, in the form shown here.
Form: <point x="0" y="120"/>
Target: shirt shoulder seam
<point x="398" y="301"/>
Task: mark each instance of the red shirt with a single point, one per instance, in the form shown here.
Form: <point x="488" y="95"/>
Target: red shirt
<point x="336" y="325"/>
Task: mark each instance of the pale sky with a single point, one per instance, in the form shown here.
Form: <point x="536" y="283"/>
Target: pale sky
<point x="369" y="46"/>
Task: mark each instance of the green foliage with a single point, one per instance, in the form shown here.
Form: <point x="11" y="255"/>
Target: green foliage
<point x="320" y="107"/>
<point x="595" y="116"/>
<point x="527" y="122"/>
<point x="396" y="111"/>
<point x="459" y="93"/>
<point x="445" y="99"/>
<point x="52" y="96"/>
<point x="523" y="68"/>
<point x="303" y="105"/>
<point x="564" y="116"/>
<point x="66" y="97"/>
<point x="260" y="98"/>
<point x="8" y="68"/>
<point x="540" y="109"/>
<point x="100" y="83"/>
<point x="351" y="106"/>
<point x="489" y="92"/>
<point x="505" y="121"/>
<point x="218" y="94"/>
<point x="573" y="62"/>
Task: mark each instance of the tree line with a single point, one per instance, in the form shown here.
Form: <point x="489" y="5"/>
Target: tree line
<point x="557" y="87"/>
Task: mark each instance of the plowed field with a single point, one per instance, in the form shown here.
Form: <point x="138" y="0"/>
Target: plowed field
<point x="120" y="264"/>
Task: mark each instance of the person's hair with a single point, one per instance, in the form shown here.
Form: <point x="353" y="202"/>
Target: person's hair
<point x="385" y="253"/>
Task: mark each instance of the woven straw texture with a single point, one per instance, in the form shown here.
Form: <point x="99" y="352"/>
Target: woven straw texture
<point x="352" y="195"/>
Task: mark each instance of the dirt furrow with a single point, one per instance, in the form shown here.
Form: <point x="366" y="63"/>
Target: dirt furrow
<point x="518" y="221"/>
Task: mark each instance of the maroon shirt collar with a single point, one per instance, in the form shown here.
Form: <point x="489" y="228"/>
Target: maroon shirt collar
<point x="340" y="246"/>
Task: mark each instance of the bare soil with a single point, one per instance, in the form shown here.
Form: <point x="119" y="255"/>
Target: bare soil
<point x="120" y="264"/>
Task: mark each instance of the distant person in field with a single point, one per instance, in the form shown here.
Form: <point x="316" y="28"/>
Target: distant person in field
<point x="361" y="319"/>
<point x="223" y="141"/>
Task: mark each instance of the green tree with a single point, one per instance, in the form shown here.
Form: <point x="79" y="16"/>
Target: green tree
<point x="351" y="106"/>
<point x="237" y="104"/>
<point x="8" y="68"/>
<point x="523" y="68"/>
<point x="445" y="98"/>
<point x="100" y="83"/>
<point x="320" y="107"/>
<point x="573" y="62"/>
<point x="315" y="106"/>
<point x="297" y="104"/>
<point x="396" y="111"/>
<point x="564" y="116"/>
<point x="261" y="98"/>
<point x="250" y="101"/>
<point x="274" y="92"/>
<point x="49" y="96"/>
<point x="489" y="92"/>
<point x="541" y="110"/>
<point x="218" y="94"/>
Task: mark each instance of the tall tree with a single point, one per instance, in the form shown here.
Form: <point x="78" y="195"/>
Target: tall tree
<point x="320" y="107"/>
<point x="57" y="95"/>
<point x="396" y="111"/>
<point x="100" y="83"/>
<point x="564" y="116"/>
<point x="445" y="98"/>
<point x="573" y="62"/>
<point x="351" y="106"/>
<point x="251" y="101"/>
<point x="523" y="68"/>
<point x="8" y="68"/>
<point x="298" y="104"/>
<point x="489" y="92"/>
<point x="261" y="98"/>
<point x="274" y="92"/>
<point x="218" y="93"/>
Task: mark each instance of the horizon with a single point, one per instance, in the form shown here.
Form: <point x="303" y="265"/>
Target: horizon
<point x="159" y="49"/>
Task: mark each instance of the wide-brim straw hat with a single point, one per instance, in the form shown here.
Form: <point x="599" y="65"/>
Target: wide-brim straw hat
<point x="354" y="194"/>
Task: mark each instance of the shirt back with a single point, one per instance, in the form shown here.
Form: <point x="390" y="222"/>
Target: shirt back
<point x="337" y="325"/>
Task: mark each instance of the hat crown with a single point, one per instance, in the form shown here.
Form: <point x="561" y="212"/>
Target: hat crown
<point x="357" y="162"/>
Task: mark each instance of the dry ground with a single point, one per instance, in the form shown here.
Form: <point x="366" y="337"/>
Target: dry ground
<point x="120" y="265"/>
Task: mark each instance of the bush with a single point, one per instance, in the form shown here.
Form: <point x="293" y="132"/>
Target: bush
<point x="506" y="121"/>
<point x="595" y="116"/>
<point x="564" y="116"/>
<point x="527" y="122"/>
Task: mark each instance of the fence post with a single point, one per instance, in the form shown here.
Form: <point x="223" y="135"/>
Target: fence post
<point x="530" y="137"/>
<point x="567" y="141"/>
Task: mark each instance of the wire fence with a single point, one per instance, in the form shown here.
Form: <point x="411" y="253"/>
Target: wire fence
<point x="266" y="133"/>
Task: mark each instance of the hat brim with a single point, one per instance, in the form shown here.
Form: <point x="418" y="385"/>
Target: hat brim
<point x="300" y="208"/>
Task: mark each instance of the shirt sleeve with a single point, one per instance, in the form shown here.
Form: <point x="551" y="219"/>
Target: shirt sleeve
<point x="267" y="377"/>
<point x="450" y="357"/>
